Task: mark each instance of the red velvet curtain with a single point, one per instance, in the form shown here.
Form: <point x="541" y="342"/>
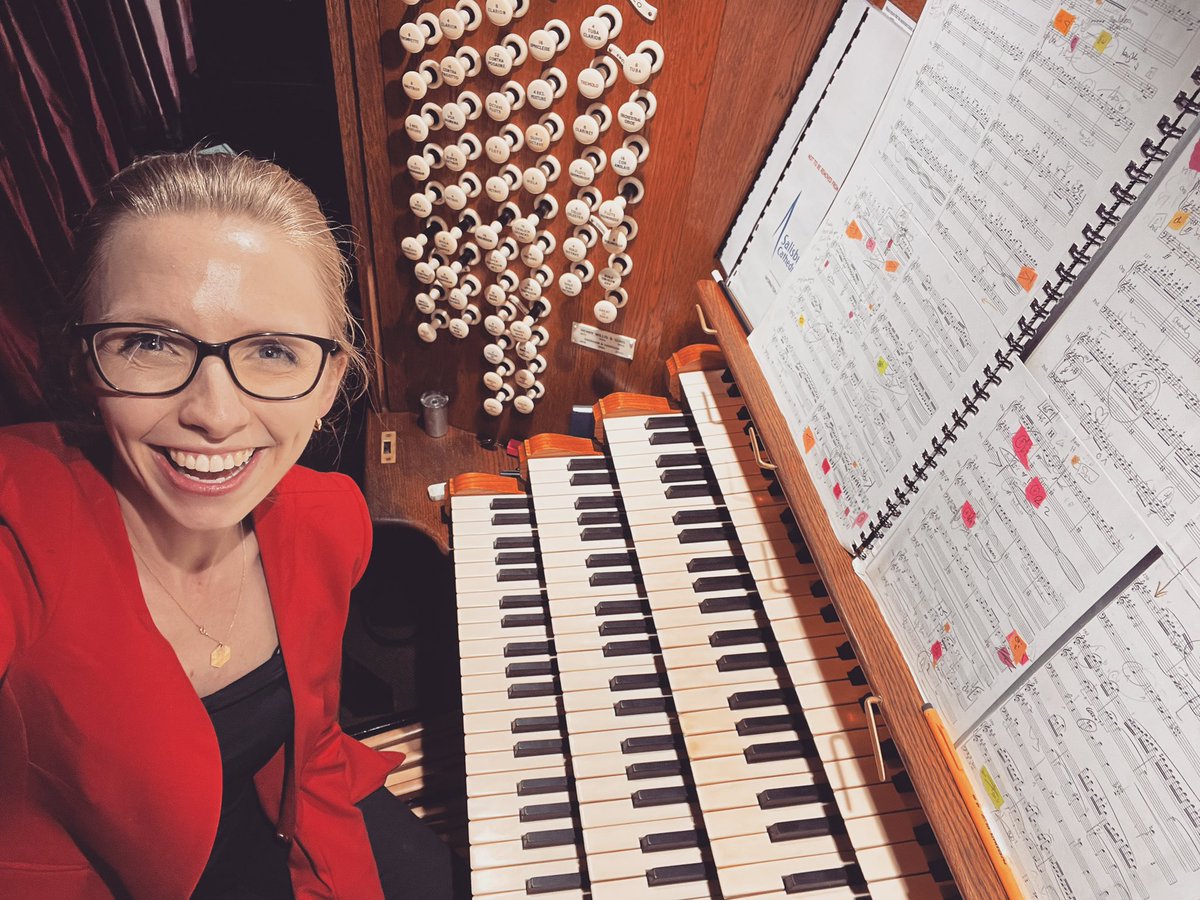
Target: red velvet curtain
<point x="85" y="85"/>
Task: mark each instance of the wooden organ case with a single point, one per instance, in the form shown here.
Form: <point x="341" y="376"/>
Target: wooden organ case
<point x="728" y="73"/>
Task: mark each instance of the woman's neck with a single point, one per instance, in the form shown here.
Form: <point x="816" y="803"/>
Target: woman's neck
<point x="166" y="544"/>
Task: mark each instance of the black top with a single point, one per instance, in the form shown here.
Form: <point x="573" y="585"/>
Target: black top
<point x="253" y="717"/>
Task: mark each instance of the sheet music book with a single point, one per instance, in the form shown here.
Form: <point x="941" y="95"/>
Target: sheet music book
<point x="816" y="146"/>
<point x="995" y="203"/>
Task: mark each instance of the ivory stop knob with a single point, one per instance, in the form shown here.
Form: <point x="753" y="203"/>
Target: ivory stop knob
<point x="605" y="312"/>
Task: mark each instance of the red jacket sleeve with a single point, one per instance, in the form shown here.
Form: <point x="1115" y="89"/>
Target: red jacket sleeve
<point x="20" y="602"/>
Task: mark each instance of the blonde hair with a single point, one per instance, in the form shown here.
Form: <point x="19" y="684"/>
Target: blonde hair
<point x="227" y="185"/>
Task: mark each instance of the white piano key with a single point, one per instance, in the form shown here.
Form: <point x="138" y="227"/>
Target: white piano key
<point x="500" y="853"/>
<point x="757" y="847"/>
<point x="888" y="828"/>
<point x="615" y="787"/>
<point x="507" y="782"/>
<point x="759" y="878"/>
<point x="623" y="812"/>
<point x="514" y="878"/>
<point x="633" y="862"/>
<point x="627" y="888"/>
<point x="501" y="761"/>
<point x="509" y="805"/>
<point x="499" y="700"/>
<point x="602" y="765"/>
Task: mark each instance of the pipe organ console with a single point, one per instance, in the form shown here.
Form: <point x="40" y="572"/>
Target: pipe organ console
<point x="673" y="683"/>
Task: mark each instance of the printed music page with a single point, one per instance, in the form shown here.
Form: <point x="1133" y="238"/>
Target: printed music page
<point x="875" y="343"/>
<point x="1123" y="361"/>
<point x="1099" y="78"/>
<point x="1010" y="540"/>
<point x="1089" y="774"/>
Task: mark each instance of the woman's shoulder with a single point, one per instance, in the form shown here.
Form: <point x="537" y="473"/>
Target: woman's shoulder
<point x="50" y="455"/>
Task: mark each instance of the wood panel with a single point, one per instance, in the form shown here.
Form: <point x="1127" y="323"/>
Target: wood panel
<point x="730" y="72"/>
<point x="890" y="679"/>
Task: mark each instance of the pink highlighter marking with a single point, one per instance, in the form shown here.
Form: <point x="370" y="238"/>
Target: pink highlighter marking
<point x="936" y="652"/>
<point x="1022" y="443"/>
<point x="968" y="514"/>
<point x="1035" y="493"/>
<point x="1194" y="160"/>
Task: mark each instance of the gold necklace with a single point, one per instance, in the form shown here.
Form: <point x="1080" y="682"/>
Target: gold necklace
<point x="223" y="651"/>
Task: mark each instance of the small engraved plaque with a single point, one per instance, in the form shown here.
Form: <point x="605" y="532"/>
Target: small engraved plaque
<point x="605" y="341"/>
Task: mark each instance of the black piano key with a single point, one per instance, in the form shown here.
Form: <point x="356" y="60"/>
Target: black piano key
<point x="624" y="626"/>
<point x="676" y="874"/>
<point x="939" y="870"/>
<point x="540" y="812"/>
<point x="587" y="463"/>
<point x="924" y="835"/>
<point x="606" y="517"/>
<point x="606" y="501"/>
<point x="727" y="378"/>
<point x="664" y="438"/>
<point x="743" y="414"/>
<point x="527" y="648"/>
<point x="676" y="476"/>
<point x="663" y="768"/>
<point x="622" y="607"/>
<point x="610" y="578"/>
<point x="678" y="491"/>
<point x="700" y="516"/>
<point x="602" y="533"/>
<point x="522" y="620"/>
<point x="752" y="725"/>
<point x="543" y="747"/>
<point x="758" y="699"/>
<point x="530" y="724"/>
<point x="732" y="637"/>
<point x="550" y="884"/>
<point x="676" y="460"/>
<point x="520" y="501"/>
<point x="529" y="787"/>
<point x="729" y="604"/>
<point x="640" y="682"/>
<point x="556" y="837"/>
<point x="829" y="613"/>
<point x="516" y="559"/>
<point x="521" y="601"/>
<point x="630" y="648"/>
<point x="717" y="563"/>
<point x="779" y="750"/>
<point x="652" y="743"/>
<point x="657" y="423"/>
<point x="604" y="560"/>
<point x="512" y="519"/>
<point x="669" y="840"/>
<point x="530" y="669"/>
<point x="857" y="676"/>
<point x="845" y="651"/>
<point x="889" y="751"/>
<point x="641" y="706"/>
<point x="712" y="583"/>
<point x="798" y="829"/>
<point x="823" y="879"/>
<point x="800" y="795"/>
<point x="902" y="783"/>
<point x="740" y="662"/>
<point x="530" y="574"/>
<point x="659" y="796"/>
<point x="818" y="589"/>
<point x="724" y="532"/>
<point x="514" y="542"/>
<point x="532" y="689"/>
<point x="585" y="478"/>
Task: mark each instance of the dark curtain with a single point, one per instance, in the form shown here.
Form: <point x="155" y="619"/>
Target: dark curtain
<point x="85" y="85"/>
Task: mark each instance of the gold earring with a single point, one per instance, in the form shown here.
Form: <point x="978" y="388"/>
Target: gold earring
<point x="317" y="424"/>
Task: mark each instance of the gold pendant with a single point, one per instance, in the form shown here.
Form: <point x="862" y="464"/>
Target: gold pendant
<point x="219" y="656"/>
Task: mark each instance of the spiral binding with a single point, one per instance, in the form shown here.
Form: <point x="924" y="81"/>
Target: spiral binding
<point x="1067" y="272"/>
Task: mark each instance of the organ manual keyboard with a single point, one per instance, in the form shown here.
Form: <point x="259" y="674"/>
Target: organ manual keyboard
<point x="659" y="696"/>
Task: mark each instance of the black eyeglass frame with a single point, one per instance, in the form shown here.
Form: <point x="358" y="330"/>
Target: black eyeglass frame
<point x="88" y="331"/>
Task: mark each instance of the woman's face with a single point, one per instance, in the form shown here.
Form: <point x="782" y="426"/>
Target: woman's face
<point x="214" y="278"/>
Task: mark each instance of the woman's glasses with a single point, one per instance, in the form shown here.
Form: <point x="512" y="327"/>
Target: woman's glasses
<point x="155" y="361"/>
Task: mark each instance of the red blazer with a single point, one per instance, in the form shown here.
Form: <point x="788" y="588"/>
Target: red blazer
<point x="110" y="775"/>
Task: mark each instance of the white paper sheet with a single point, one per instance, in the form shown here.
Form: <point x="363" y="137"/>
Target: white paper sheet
<point x="818" y="165"/>
<point x="876" y="344"/>
<point x="1090" y="774"/>
<point x="1012" y="538"/>
<point x="1123" y="360"/>
<point x="1094" y="87"/>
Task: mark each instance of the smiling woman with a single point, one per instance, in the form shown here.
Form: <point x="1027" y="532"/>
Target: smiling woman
<point x="175" y="589"/>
